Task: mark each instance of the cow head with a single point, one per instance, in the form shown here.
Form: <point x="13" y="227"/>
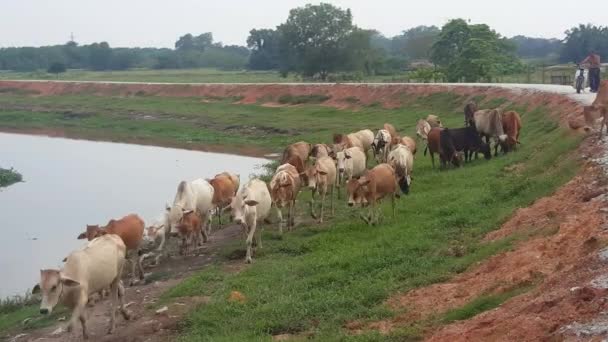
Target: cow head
<point x="356" y="190"/>
<point x="242" y="205"/>
<point x="52" y="283"/>
<point x="93" y="231"/>
<point x="315" y="176"/>
<point x="342" y="157"/>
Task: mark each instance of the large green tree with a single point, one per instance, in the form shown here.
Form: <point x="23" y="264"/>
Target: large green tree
<point x="315" y="40"/>
<point x="473" y="52"/>
<point x="583" y="39"/>
<point x="198" y="43"/>
<point x="264" y="45"/>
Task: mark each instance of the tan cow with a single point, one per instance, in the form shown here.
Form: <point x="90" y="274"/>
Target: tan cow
<point x="350" y="163"/>
<point x="422" y="129"/>
<point x="189" y="229"/>
<point x="284" y="188"/>
<point x="433" y="120"/>
<point x="225" y="186"/>
<point x="407" y="141"/>
<point x="598" y="109"/>
<point x="371" y="188"/>
<point x="300" y="149"/>
<point x="86" y="271"/>
<point x="321" y="150"/>
<point x="362" y="139"/>
<point x="391" y="129"/>
<point x="321" y="180"/>
<point x="131" y="230"/>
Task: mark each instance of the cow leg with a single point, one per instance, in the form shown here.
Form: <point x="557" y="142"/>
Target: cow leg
<point x="292" y="218"/>
<point x="250" y="235"/>
<point x="219" y="217"/>
<point x="322" y="204"/>
<point x="113" y="300"/>
<point x="121" y="298"/>
<point x="312" y="204"/>
<point x="78" y="312"/>
<point x="280" y="216"/>
<point x="496" y="148"/>
<point x="140" y="268"/>
<point x="331" y="199"/>
<point x="83" y="323"/>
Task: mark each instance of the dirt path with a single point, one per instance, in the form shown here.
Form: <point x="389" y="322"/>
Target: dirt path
<point x="146" y="324"/>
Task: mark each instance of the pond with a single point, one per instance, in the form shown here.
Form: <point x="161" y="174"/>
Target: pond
<point x="72" y="183"/>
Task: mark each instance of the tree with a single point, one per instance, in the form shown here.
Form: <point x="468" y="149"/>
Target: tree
<point x="100" y="56"/>
<point x="56" y="68"/>
<point x="188" y="42"/>
<point x="314" y="38"/>
<point x="264" y="45"/>
<point x="581" y="40"/>
<point x="536" y="47"/>
<point x="415" y="43"/>
<point x="473" y="52"/>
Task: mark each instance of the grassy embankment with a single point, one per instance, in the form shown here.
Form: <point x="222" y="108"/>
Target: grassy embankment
<point x="314" y="280"/>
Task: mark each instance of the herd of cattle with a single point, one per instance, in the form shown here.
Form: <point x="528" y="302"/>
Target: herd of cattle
<point x="323" y="168"/>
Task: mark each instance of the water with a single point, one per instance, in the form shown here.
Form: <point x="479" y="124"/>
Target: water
<point x="71" y="183"/>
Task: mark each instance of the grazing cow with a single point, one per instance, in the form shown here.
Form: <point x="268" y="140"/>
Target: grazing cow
<point x="197" y="196"/>
<point x="371" y="188"/>
<point x="86" y="271"/>
<point x="440" y="141"/>
<point x="189" y="229"/>
<point x="434" y="121"/>
<point x="225" y="185"/>
<point x="351" y="164"/>
<point x="488" y="123"/>
<point x="407" y="141"/>
<point x="321" y="179"/>
<point x="402" y="160"/>
<point x="468" y="141"/>
<point x="511" y="123"/>
<point x="284" y="189"/>
<point x="321" y="150"/>
<point x="422" y="129"/>
<point x="251" y="205"/>
<point x="469" y="113"/>
<point x="130" y="229"/>
<point x="301" y="149"/>
<point x="382" y="144"/>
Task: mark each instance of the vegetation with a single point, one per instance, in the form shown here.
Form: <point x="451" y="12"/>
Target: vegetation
<point x="317" y="278"/>
<point x="9" y="176"/>
<point x="583" y="39"/>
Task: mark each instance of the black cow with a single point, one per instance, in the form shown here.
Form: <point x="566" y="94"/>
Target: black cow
<point x="468" y="140"/>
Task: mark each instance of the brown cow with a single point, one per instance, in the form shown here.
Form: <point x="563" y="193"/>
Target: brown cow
<point x="301" y="149"/>
<point x="407" y="141"/>
<point x="511" y="124"/>
<point x="440" y="141"/>
<point x="371" y="188"/>
<point x="189" y="229"/>
<point x="130" y="229"/>
<point x="225" y="186"/>
<point x="599" y="108"/>
<point x="284" y="188"/>
<point x="469" y="113"/>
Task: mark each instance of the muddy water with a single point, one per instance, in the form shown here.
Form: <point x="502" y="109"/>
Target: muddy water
<point x="71" y="183"/>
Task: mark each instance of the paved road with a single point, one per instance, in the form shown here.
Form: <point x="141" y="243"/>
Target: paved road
<point x="585" y="98"/>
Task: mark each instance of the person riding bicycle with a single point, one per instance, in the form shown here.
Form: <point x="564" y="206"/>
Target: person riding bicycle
<point x="593" y="62"/>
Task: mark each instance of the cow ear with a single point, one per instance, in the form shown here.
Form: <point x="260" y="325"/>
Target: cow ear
<point x="82" y="236"/>
<point x="68" y="281"/>
<point x="251" y="203"/>
<point x="36" y="289"/>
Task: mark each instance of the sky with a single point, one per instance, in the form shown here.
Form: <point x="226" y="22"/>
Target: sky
<point x="159" y="23"/>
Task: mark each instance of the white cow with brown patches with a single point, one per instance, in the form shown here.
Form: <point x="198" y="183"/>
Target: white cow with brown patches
<point x="284" y="188"/>
<point x="321" y="180"/>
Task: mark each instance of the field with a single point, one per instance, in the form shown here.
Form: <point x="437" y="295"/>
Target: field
<point x="312" y="282"/>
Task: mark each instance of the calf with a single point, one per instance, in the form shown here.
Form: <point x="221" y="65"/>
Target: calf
<point x="284" y="189"/>
<point x="321" y="180"/>
<point x="131" y="230"/>
<point x="382" y="144"/>
<point x="402" y="160"/>
<point x="469" y="113"/>
<point x="371" y="188"/>
<point x="351" y="164"/>
<point x="86" y="271"/>
<point x="251" y="205"/>
<point x="225" y="185"/>
<point x="468" y="140"/>
<point x="440" y="141"/>
<point x="188" y="228"/>
<point x="511" y="123"/>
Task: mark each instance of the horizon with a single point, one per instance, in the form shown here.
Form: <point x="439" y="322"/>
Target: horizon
<point x="232" y="27"/>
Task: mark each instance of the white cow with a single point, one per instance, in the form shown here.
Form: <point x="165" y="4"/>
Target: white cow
<point x="86" y="271"/>
<point x="351" y="163"/>
<point x="402" y="161"/>
<point x="194" y="195"/>
<point x="382" y="144"/>
<point x="366" y="137"/>
<point x="251" y="205"/>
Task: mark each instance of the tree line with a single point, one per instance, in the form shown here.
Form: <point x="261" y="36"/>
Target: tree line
<point x="321" y="41"/>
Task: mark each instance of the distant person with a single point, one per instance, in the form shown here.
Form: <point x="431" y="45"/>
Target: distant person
<point x="593" y="62"/>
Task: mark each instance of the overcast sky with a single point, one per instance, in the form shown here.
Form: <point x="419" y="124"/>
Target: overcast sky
<point x="158" y="23"/>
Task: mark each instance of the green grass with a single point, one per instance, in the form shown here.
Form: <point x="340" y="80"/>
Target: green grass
<point x="317" y="278"/>
<point x="9" y="176"/>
